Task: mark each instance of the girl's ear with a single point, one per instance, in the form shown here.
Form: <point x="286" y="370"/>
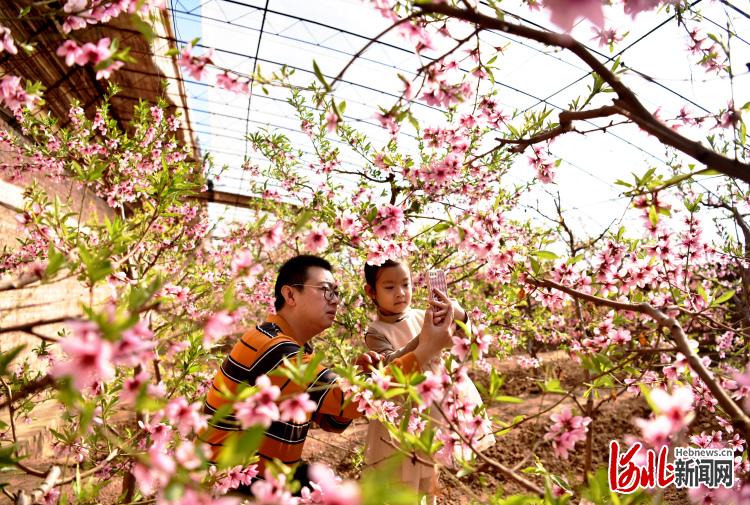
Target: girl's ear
<point x="370" y="291"/>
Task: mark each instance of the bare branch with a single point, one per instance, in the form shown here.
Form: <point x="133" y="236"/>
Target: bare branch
<point x="738" y="416"/>
<point x="627" y="101"/>
<point x="565" y="125"/>
<point x="28" y="390"/>
<point x="369" y="43"/>
<point x="38" y="493"/>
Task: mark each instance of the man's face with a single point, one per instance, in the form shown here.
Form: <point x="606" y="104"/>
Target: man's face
<point x="314" y="308"/>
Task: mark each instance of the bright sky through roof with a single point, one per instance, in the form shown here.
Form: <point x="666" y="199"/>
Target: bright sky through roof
<point x="296" y="32"/>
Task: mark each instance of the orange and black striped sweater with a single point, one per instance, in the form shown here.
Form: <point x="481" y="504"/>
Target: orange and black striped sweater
<point x="258" y="352"/>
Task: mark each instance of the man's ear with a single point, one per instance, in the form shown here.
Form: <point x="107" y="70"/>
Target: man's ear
<point x="288" y="293"/>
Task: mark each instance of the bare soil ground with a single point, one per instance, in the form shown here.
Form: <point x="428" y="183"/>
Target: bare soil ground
<point x="517" y="449"/>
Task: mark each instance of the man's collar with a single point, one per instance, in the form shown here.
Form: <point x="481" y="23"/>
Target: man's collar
<point x="281" y="323"/>
<point x="286" y="330"/>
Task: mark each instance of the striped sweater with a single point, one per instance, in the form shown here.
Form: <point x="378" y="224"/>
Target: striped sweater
<point x="258" y="352"/>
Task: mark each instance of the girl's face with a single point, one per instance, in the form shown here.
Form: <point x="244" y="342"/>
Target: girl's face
<point x="392" y="292"/>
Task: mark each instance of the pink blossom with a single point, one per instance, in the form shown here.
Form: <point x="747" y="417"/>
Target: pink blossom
<point x="90" y="356"/>
<point x="52" y="496"/>
<point x="14" y="95"/>
<point x="431" y="388"/>
<point x="272" y="490"/>
<point x="365" y="402"/>
<point x="136" y="345"/>
<point x="317" y="238"/>
<point x="70" y="51"/>
<point x="566" y="431"/>
<point x="217" y="325"/>
<point x="527" y="362"/>
<point x="297" y="408"/>
<point x="131" y="387"/>
<point x="74" y="6"/>
<point x="160" y="433"/>
<point x="656" y="431"/>
<point x="232" y="82"/>
<point x="235" y="477"/>
<point x="106" y="72"/>
<point x="461" y="347"/>
<point x="272" y="237"/>
<point x="242" y="260"/>
<point x="633" y="7"/>
<point x="676" y="407"/>
<point x="564" y="12"/>
<point x="72" y="23"/>
<point x="328" y="489"/>
<point x="606" y="36"/>
<point x="186" y="455"/>
<point x="186" y="417"/>
<point x="388" y="122"/>
<point x="157" y="474"/>
<point x="260" y="408"/>
<point x="390" y="221"/>
<point x="6" y="41"/>
<point x="195" y="65"/>
<point x="332" y="120"/>
<point x="94" y="53"/>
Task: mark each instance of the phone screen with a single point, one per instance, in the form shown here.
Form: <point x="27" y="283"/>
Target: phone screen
<point x="436" y="280"/>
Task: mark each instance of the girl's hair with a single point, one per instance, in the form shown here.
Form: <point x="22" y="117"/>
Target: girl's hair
<point x="371" y="271"/>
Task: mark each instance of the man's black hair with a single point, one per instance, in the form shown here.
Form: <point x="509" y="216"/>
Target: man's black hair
<point x="294" y="271"/>
<point x="371" y="271"/>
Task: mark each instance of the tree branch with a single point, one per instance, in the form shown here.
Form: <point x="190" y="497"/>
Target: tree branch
<point x="28" y="390"/>
<point x="738" y="416"/>
<point x="627" y="100"/>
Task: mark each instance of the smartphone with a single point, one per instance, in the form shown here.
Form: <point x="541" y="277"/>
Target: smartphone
<point x="436" y="280"/>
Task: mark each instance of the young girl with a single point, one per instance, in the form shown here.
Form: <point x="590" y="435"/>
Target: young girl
<point x="394" y="333"/>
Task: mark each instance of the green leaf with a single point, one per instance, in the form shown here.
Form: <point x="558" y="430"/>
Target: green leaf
<point x="723" y="298"/>
<point x="7" y="459"/>
<point x="55" y="261"/>
<point x="7" y="357"/>
<point x="708" y="171"/>
<point x="552" y="386"/>
<point x="701" y="291"/>
<point x="240" y="448"/>
<point x="303" y="220"/>
<point x="145" y="28"/>
<point x="535" y="266"/>
<point x="319" y="75"/>
<point x="413" y="120"/>
<point x="508" y="399"/>
<point x="545" y="255"/>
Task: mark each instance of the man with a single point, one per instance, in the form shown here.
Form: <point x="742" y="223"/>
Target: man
<point x="306" y="301"/>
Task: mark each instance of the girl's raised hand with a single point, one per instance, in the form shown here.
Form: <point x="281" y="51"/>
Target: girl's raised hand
<point x="441" y="308"/>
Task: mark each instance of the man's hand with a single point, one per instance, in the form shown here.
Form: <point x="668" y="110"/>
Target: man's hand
<point x="436" y="334"/>
<point x="366" y="362"/>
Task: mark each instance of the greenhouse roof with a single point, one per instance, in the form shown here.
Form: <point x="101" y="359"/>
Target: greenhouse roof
<point x="248" y="35"/>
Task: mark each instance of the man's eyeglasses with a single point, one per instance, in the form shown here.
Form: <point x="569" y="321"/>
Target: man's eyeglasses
<point x="331" y="294"/>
